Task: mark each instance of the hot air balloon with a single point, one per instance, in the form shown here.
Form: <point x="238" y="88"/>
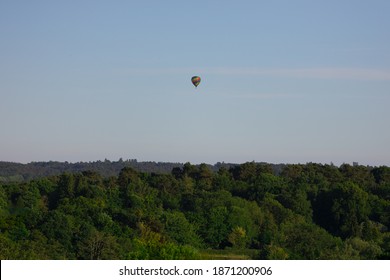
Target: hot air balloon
<point x="195" y="80"/>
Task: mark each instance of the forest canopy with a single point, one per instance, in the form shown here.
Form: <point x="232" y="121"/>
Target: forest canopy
<point x="243" y="211"/>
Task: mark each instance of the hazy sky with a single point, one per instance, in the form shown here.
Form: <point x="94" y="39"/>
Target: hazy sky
<point x="282" y="81"/>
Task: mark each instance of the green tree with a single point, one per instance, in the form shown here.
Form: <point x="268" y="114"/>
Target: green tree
<point x="179" y="229"/>
<point x="204" y="177"/>
<point x="238" y="237"/>
<point x="364" y="250"/>
<point x="350" y="209"/>
<point x="126" y="176"/>
<point x="304" y="240"/>
<point x="153" y="246"/>
<point x="99" y="246"/>
<point x="296" y="199"/>
<point x="66" y="186"/>
<point x="342" y="210"/>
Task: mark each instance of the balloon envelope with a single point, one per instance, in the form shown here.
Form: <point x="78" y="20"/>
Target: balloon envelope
<point x="195" y="80"/>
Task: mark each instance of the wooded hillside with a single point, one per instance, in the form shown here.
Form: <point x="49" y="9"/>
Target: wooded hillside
<point x="246" y="211"/>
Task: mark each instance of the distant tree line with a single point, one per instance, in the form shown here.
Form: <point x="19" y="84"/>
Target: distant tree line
<point x="246" y="211"/>
<point x="18" y="172"/>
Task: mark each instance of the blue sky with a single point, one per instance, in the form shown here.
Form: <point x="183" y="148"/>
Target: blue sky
<point x="282" y="81"/>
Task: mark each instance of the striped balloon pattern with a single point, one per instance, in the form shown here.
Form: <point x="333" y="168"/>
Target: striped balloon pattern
<point x="195" y="80"/>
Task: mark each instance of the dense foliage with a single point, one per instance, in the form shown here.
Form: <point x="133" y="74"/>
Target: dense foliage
<point x="309" y="211"/>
